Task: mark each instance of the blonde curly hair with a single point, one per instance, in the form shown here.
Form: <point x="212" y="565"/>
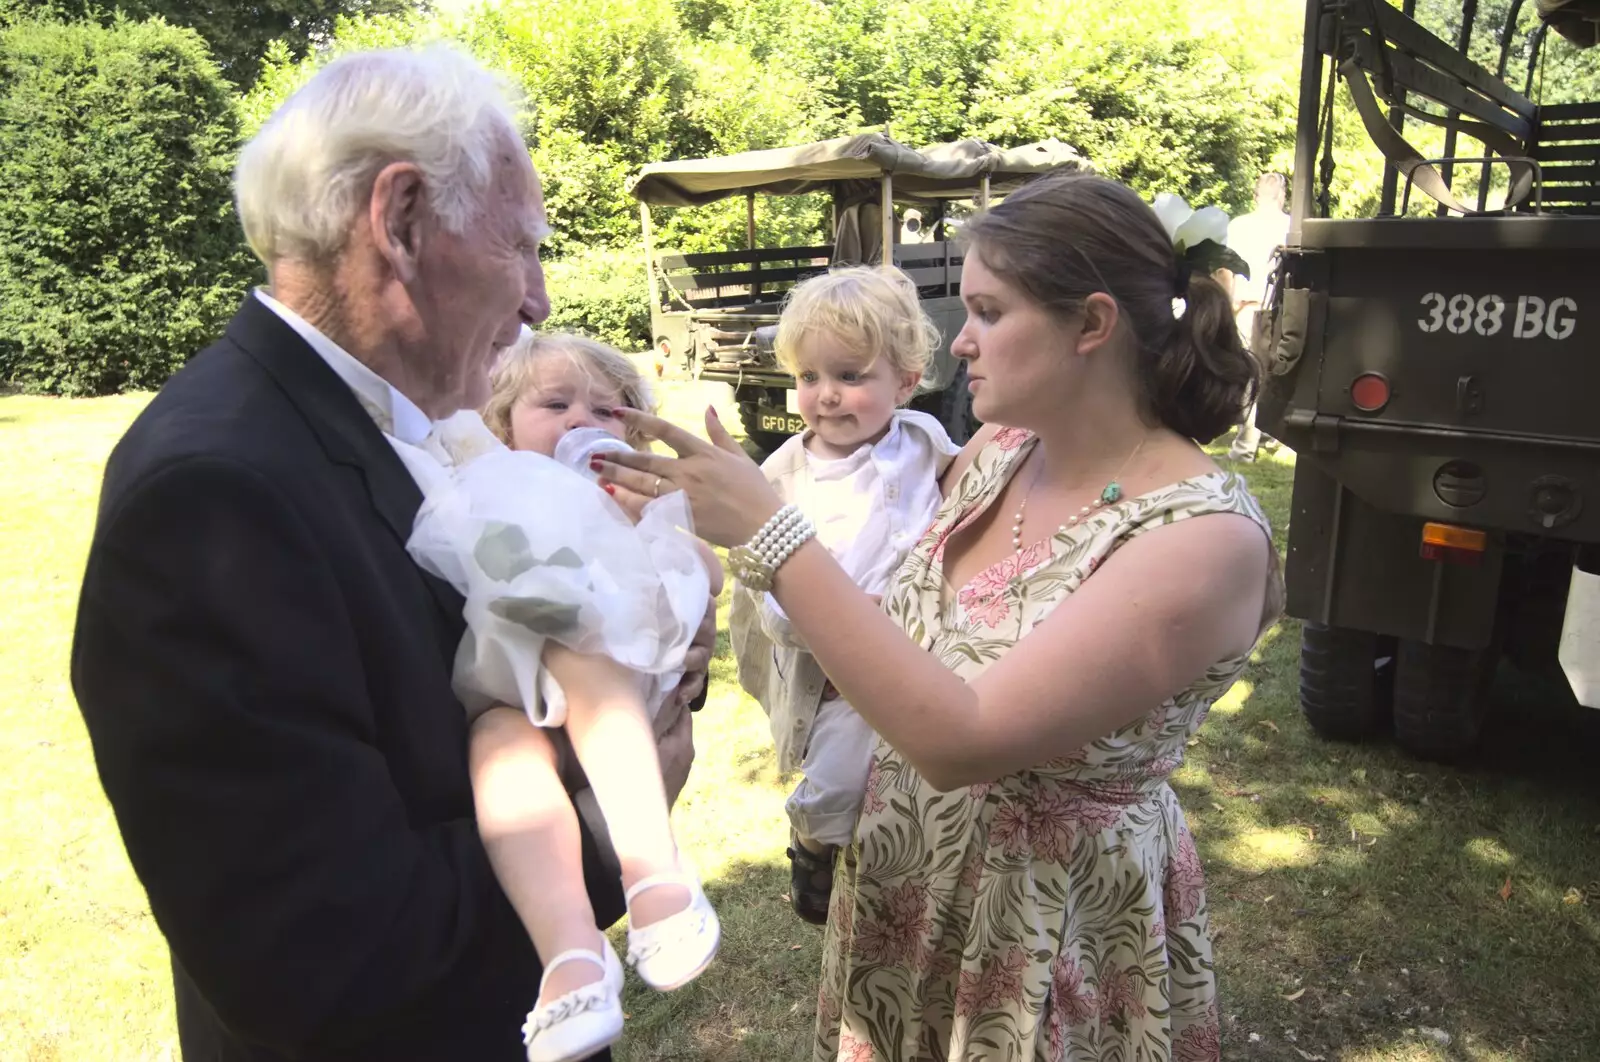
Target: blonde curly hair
<point x="873" y="311"/>
<point x="518" y="371"/>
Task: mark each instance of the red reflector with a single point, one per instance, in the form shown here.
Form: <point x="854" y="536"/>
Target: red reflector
<point x="1369" y="392"/>
<point x="1452" y="555"/>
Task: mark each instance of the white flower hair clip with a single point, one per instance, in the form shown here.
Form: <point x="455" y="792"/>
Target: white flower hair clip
<point x="1200" y="242"/>
<point x="1187" y="227"/>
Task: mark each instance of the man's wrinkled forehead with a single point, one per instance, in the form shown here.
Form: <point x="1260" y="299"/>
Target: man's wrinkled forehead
<point x="520" y="192"/>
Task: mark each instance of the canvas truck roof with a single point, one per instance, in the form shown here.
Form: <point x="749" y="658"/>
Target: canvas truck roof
<point x="940" y="171"/>
<point x="1576" y="20"/>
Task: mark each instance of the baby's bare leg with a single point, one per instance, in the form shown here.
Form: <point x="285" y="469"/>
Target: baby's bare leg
<point x="530" y="830"/>
<point x="610" y="732"/>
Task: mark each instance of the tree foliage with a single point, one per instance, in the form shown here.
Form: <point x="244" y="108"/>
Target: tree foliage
<point x="238" y="34"/>
<point x="1193" y="97"/>
<point x="912" y="67"/>
<point x="1563" y="72"/>
<point x="600" y="292"/>
<point x="120" y="256"/>
<point x="1151" y="93"/>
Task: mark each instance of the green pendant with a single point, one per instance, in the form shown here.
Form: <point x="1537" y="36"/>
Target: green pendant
<point x="1110" y="495"/>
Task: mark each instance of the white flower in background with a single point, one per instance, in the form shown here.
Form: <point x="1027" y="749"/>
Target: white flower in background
<point x="1188" y="227"/>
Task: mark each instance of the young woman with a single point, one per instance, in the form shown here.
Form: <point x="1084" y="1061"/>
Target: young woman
<point x="1023" y="884"/>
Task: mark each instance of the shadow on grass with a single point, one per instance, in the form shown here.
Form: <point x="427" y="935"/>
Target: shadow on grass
<point x="1359" y="897"/>
<point x="758" y="765"/>
<point x="757" y="1002"/>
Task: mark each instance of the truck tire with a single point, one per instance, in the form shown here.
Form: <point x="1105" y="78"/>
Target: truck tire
<point x="1441" y="695"/>
<point x="765" y="441"/>
<point x="1344" y="692"/>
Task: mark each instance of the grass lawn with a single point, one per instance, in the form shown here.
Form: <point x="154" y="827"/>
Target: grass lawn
<point x="1359" y="899"/>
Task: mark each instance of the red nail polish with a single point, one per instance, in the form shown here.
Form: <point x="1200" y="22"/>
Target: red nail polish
<point x="609" y="488"/>
<point x="596" y="463"/>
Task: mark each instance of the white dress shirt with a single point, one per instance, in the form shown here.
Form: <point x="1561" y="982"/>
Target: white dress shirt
<point x="401" y="421"/>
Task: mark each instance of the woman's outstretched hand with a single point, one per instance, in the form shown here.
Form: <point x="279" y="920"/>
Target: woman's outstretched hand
<point x="728" y="495"/>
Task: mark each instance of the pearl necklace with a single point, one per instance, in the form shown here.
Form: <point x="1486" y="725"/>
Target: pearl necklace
<point x="1109" y="496"/>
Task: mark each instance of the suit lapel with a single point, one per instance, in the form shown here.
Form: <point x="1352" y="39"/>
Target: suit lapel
<point x="345" y="429"/>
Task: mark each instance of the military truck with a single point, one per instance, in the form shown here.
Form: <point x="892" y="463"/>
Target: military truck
<point x="1436" y="372"/>
<point x="718" y="311"/>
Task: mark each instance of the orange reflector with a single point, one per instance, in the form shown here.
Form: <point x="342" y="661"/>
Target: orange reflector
<point x="1369" y="392"/>
<point x="1453" y="537"/>
<point x="1453" y="545"/>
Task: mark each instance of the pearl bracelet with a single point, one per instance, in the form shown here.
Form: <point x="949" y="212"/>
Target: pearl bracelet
<point x="756" y="562"/>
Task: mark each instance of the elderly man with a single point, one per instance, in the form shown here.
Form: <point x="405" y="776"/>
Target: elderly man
<point x="264" y="671"/>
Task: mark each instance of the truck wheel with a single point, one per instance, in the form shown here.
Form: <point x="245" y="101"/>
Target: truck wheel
<point x="1344" y="681"/>
<point x="1441" y="695"/>
<point x="765" y="441"/>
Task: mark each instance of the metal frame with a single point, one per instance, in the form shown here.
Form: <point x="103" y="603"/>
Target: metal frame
<point x="1494" y="233"/>
<point x="750" y="243"/>
<point x="1305" y="146"/>
<point x="1397" y="119"/>
<point x="1506" y="35"/>
<point x="1483" y="190"/>
<point x="1536" y="50"/>
<point x="886" y="222"/>
<point x="1402" y="59"/>
<point x="1469" y="16"/>
<point x="649" y="269"/>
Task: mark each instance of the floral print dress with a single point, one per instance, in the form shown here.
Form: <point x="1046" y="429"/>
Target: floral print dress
<point x="1057" y="914"/>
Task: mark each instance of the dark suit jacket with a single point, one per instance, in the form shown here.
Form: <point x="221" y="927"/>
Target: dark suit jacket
<point x="265" y="675"/>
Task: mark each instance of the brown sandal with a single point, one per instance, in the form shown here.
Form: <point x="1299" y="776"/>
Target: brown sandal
<point x="810" y="881"/>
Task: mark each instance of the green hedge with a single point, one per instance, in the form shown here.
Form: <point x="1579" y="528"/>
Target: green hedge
<point x="601" y="293"/>
<point x="120" y="255"/>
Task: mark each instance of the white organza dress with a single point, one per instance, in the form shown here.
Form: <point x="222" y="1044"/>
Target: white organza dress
<point x="540" y="552"/>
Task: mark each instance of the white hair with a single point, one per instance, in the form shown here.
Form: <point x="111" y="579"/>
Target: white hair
<point x="305" y="176"/>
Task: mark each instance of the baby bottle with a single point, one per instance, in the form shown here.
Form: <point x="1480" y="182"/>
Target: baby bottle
<point x="577" y="446"/>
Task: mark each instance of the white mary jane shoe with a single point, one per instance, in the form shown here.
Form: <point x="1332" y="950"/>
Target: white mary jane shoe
<point x="583" y="1021"/>
<point x="674" y="951"/>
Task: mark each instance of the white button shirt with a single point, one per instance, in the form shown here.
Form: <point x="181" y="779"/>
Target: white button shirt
<point x="396" y="415"/>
